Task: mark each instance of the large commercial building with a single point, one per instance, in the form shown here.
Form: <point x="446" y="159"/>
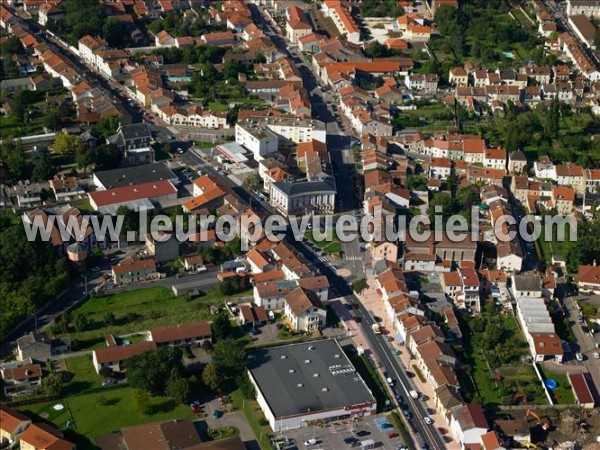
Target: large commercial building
<point x="263" y="135"/>
<point x="303" y="197"/>
<point x="309" y="383"/>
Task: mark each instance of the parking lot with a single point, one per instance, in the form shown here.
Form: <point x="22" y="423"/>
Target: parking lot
<point x="332" y="436"/>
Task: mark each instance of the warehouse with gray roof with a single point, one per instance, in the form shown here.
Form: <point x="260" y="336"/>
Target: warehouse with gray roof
<point x="310" y="383"/>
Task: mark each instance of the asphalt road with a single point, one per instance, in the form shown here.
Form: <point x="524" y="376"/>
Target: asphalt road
<point x="402" y="384"/>
<point x="426" y="433"/>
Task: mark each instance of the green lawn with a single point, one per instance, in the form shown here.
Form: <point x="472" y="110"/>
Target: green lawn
<point x="563" y="395"/>
<point x="255" y="418"/>
<point x="91" y="419"/>
<point x="328" y="246"/>
<point x="82" y="375"/>
<point x="140" y="310"/>
<point x="548" y="248"/>
<point x="218" y="107"/>
<point x="477" y="378"/>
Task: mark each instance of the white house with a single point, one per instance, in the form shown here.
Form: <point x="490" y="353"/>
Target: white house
<point x="468" y="424"/>
<point x="304" y="311"/>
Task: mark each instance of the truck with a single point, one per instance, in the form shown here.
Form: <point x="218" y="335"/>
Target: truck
<point x="414" y="394"/>
<point x="376" y="328"/>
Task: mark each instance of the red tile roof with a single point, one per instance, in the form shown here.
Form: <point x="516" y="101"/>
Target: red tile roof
<point x="131" y="193"/>
<point x="123" y="352"/>
<point x="181" y="332"/>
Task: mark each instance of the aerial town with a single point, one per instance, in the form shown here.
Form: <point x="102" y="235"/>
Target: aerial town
<point x="474" y="122"/>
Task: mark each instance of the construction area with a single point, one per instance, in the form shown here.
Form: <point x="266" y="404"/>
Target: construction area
<point x="562" y="428"/>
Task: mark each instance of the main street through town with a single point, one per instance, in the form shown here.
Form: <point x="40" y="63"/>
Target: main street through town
<point x="342" y="160"/>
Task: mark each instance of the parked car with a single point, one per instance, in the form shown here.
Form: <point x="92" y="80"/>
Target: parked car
<point x="217" y="414"/>
<point x="109" y="382"/>
<point x="579" y="357"/>
<point x="363" y="433"/>
<point x="392" y="434"/>
<point x="428" y="420"/>
<point x="596" y="355"/>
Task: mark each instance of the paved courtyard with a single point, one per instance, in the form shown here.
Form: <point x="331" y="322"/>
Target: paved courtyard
<point x="331" y="437"/>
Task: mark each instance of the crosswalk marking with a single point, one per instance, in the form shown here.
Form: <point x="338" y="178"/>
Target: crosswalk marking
<point x="352" y="258"/>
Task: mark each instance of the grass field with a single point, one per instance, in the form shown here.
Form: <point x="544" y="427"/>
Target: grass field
<point x="563" y="395"/>
<point x="328" y="246"/>
<point x="554" y="247"/>
<point x="91" y="418"/>
<point x="82" y="375"/>
<point x="140" y="310"/>
<point x="478" y="381"/>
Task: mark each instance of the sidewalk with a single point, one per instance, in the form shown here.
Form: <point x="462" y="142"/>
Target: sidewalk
<point x="374" y="303"/>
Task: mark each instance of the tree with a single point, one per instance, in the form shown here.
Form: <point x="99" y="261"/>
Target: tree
<point x="221" y="326"/>
<point x="84" y="157"/>
<point x="178" y="388"/>
<point x="109" y="318"/>
<point x="66" y="143"/>
<point x="211" y="377"/>
<point x="115" y="33"/>
<point x="141" y="399"/>
<point x="51" y="120"/>
<point x="108" y="157"/>
<point x="106" y="126"/>
<point x="43" y="168"/>
<point x="229" y="359"/>
<point x="151" y="370"/>
<point x="253" y="182"/>
<point x="13" y="158"/>
<point x="245" y="386"/>
<point x="444" y="202"/>
<point x="80" y="322"/>
<point x="53" y="385"/>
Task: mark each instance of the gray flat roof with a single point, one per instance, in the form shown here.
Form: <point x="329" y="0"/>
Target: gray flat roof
<point x="129" y="176"/>
<point x="286" y="377"/>
<point x="294" y="188"/>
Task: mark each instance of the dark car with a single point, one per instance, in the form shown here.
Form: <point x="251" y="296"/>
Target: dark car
<point x="363" y="433"/>
<point x="356" y="319"/>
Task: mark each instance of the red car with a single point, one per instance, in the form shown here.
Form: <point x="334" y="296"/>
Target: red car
<point x="392" y="434"/>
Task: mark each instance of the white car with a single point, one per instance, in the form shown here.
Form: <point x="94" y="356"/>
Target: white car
<point x="428" y="420"/>
<point x="596" y="355"/>
<point x="579" y="357"/>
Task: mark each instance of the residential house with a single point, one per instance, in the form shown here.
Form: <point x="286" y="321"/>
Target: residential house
<point x="581" y="390"/>
<point x="588" y="278"/>
<point x="194" y="263"/>
<point x="66" y="188"/>
<point x="462" y="287"/>
<point x="458" y="76"/>
<point x="163" y="248"/>
<point x="571" y="175"/>
<point x="252" y="315"/>
<point x="517" y="162"/>
<point x="304" y="311"/>
<point x="36" y="346"/>
<point x="12" y="425"/>
<point x="134" y="142"/>
<point x="114" y="357"/>
<point x="131" y="271"/>
<point x="48" y="11"/>
<point x="468" y="424"/>
<point x="297" y="25"/>
<point x="20" y="378"/>
<point x="495" y="158"/>
<point x="544" y="168"/>
<point x="193" y="334"/>
<point x="563" y="199"/>
<point x="44" y="437"/>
